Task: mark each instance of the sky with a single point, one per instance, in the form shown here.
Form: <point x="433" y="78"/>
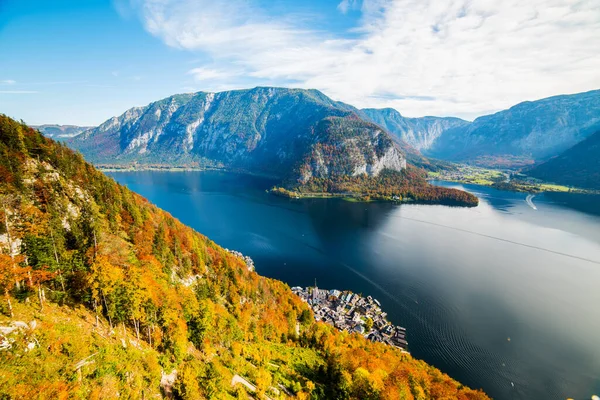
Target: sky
<point x="83" y="61"/>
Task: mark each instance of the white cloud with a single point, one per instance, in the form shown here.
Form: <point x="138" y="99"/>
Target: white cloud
<point x="206" y="74"/>
<point x="422" y="57"/>
<point x="8" y="82"/>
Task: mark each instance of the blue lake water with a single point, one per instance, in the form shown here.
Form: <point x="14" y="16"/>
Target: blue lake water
<point x="502" y="297"/>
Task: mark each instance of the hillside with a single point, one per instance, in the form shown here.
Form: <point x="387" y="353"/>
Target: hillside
<point x="420" y="133"/>
<point x="262" y="130"/>
<point x="105" y="296"/>
<point x="61" y="132"/>
<point x="529" y="132"/>
<point x="579" y="166"/>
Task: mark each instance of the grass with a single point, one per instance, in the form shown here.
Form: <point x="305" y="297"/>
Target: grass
<point x="550" y="187"/>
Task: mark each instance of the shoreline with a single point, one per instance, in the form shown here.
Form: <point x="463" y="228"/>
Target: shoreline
<point x="360" y="198"/>
<point x="351" y="197"/>
<point x="544" y="187"/>
<point x="188" y="169"/>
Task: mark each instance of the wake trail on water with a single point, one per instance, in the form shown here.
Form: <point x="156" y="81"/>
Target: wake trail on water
<point x="501" y="239"/>
<point x="529" y="201"/>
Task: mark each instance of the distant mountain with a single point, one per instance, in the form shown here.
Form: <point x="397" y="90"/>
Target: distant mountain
<point x="528" y="132"/>
<point x="61" y="132"/>
<point x="420" y="133"/>
<point x="578" y="166"/>
<point x="282" y="132"/>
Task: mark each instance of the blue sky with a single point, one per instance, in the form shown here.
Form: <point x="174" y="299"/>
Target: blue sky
<point x="84" y="61"/>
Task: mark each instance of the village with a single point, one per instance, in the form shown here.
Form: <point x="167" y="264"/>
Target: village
<point x="351" y="312"/>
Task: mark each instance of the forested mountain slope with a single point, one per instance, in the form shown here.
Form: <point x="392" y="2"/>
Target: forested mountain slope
<point x="103" y="292"/>
<point x="579" y="166"/>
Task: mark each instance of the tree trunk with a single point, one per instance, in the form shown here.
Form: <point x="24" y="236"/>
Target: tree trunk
<point x="10" y="247"/>
<point x="62" y="280"/>
<point x="107" y="313"/>
<point x="96" y="310"/>
<point x="136" y="324"/>
<point x="95" y="244"/>
<point x="41" y="297"/>
<point x="29" y="278"/>
<point x="10" y="309"/>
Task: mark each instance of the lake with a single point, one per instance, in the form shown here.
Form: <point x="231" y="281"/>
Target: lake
<point x="504" y="296"/>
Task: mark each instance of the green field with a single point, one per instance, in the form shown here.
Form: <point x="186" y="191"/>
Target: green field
<point x="500" y="180"/>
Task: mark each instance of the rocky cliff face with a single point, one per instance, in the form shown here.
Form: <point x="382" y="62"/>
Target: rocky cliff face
<point x="420" y="133"/>
<point x="523" y="134"/>
<point x="349" y="146"/>
<point x="267" y="130"/>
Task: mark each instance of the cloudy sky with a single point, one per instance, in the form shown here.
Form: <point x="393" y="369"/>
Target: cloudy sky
<point x="81" y="62"/>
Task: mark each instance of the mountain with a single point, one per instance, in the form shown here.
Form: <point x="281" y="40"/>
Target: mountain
<point x="420" y="133"/>
<point x="579" y="166"/>
<point x="106" y="296"/>
<point x="301" y="137"/>
<point x="276" y="131"/>
<point x="61" y="132"/>
<point x="287" y="133"/>
<point x="526" y="133"/>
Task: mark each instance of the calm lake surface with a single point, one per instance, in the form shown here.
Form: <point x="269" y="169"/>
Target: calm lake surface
<point x="502" y="297"/>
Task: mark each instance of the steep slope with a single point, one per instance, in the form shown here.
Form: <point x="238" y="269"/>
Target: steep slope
<point x="528" y="132"/>
<point x="61" y="132"/>
<point x="107" y="296"/>
<point x="420" y="133"/>
<point x="265" y="130"/>
<point x="579" y="166"/>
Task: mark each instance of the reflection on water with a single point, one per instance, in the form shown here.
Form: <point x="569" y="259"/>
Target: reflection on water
<point x="462" y="281"/>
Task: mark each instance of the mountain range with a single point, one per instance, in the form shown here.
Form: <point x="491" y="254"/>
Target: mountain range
<point x="419" y="133"/>
<point x="529" y="132"/>
<point x="287" y="133"/>
<point x="61" y="132"/>
<point x="298" y="134"/>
